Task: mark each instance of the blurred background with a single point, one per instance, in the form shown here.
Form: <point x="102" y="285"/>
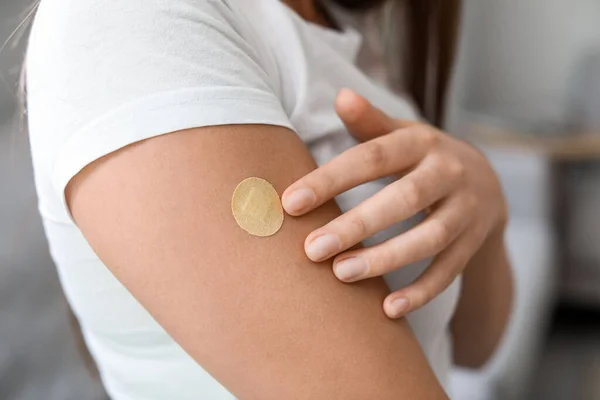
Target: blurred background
<point x="526" y="91"/>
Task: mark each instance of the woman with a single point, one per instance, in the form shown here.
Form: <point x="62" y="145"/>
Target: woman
<point x="144" y="116"/>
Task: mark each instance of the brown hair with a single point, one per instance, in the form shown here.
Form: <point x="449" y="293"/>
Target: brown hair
<point x="431" y="43"/>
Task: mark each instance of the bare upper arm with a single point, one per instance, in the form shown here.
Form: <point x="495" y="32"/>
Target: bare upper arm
<point x="254" y="312"/>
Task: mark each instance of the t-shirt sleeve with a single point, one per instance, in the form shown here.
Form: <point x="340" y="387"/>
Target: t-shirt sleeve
<point x="105" y="74"/>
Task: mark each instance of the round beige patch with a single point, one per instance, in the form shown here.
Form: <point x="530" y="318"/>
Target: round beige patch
<point x="256" y="207"/>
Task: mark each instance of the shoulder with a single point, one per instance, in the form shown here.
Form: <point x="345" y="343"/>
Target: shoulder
<point x="114" y="52"/>
<point x="69" y="30"/>
<point x="102" y="75"/>
<point x="86" y="58"/>
<point x="94" y="24"/>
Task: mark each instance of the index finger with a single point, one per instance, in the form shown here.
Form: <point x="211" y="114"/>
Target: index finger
<point x="365" y="162"/>
<point x="363" y="120"/>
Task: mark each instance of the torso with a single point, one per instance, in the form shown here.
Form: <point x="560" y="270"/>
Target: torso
<point x="136" y="357"/>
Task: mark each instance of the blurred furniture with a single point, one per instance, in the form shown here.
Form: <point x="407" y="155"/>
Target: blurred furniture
<point x="573" y="159"/>
<point x="561" y="148"/>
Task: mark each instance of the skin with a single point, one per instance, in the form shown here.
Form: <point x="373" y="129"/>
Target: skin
<point x="464" y="228"/>
<point x="307" y="10"/>
<point x="256" y="313"/>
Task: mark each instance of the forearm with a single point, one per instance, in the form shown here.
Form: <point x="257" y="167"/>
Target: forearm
<point x="485" y="304"/>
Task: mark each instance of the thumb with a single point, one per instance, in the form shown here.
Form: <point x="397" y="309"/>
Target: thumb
<point x="363" y="120"/>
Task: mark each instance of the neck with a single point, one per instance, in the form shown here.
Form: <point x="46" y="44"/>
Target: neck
<point x="308" y="10"/>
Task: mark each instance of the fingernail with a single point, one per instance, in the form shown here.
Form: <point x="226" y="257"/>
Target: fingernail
<point x="350" y="269"/>
<point x="398" y="307"/>
<point x="323" y="247"/>
<point x="298" y="200"/>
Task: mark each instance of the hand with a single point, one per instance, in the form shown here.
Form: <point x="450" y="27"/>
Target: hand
<point x="443" y="176"/>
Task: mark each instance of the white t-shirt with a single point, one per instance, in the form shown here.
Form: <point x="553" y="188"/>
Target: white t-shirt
<point x="104" y="74"/>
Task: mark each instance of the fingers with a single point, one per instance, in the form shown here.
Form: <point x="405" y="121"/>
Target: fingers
<point x="432" y="236"/>
<point x="384" y="156"/>
<point x="402" y="145"/>
<point x="364" y="120"/>
<point x="437" y="277"/>
<point x="398" y="201"/>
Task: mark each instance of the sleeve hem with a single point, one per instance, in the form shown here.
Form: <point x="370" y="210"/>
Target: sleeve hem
<point x="158" y="115"/>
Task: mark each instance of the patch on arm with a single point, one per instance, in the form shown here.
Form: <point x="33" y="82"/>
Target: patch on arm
<point x="256" y="207"/>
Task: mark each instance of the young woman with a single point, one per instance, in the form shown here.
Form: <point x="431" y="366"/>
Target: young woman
<point x="144" y="115"/>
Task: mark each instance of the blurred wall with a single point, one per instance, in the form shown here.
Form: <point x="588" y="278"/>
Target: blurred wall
<point x="12" y="13"/>
<point x="523" y="55"/>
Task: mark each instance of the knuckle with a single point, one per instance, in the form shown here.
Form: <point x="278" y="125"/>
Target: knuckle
<point x="375" y="263"/>
<point x="437" y="162"/>
<point x="428" y="135"/>
<point x="324" y="183"/>
<point x="411" y="194"/>
<point x="456" y="168"/>
<point x="374" y="156"/>
<point x="447" y="165"/>
<point x="358" y="226"/>
<point x="380" y="261"/>
<point x="440" y="234"/>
